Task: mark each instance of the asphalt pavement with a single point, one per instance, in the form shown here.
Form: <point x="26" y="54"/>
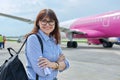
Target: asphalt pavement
<point x="87" y="62"/>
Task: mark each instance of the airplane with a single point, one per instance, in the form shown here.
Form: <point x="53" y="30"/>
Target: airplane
<point x="98" y="29"/>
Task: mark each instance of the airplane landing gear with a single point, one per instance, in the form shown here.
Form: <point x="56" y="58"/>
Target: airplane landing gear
<point x="107" y="44"/>
<point x="72" y="44"/>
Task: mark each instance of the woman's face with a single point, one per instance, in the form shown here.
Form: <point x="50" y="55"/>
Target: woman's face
<point x="47" y="25"/>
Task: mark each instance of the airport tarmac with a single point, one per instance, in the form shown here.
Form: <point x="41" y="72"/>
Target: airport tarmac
<point x="87" y="62"/>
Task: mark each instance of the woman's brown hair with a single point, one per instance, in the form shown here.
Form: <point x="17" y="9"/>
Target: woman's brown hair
<point x="47" y="13"/>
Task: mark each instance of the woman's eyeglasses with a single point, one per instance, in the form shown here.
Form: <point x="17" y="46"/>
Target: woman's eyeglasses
<point x="51" y="22"/>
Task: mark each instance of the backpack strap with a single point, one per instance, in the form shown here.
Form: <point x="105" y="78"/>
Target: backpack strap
<point x="40" y="40"/>
<point x="22" y="46"/>
<point x="26" y="40"/>
<point x="41" y="43"/>
<point x="10" y="48"/>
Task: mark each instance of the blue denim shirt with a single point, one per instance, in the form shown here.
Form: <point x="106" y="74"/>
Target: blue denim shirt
<point x="51" y="51"/>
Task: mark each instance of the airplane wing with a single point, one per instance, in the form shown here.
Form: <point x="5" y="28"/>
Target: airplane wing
<point x="77" y="31"/>
<point x="85" y="33"/>
<point x="73" y="31"/>
<point x="28" y="20"/>
<point x="63" y="29"/>
<point x="90" y="33"/>
<point x="17" y="18"/>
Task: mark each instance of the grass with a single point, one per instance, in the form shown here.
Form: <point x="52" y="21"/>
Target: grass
<point x="78" y="40"/>
<point x="63" y="40"/>
<point x="11" y="40"/>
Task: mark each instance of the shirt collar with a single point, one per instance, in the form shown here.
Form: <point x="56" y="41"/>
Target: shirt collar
<point x="44" y="36"/>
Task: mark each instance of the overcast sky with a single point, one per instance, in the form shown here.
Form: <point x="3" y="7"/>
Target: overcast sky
<point x="64" y="9"/>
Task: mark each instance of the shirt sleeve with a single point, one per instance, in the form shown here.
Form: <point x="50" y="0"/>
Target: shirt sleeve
<point x="66" y="60"/>
<point x="33" y="53"/>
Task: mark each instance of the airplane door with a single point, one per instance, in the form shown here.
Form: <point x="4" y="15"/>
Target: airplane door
<point x="106" y="22"/>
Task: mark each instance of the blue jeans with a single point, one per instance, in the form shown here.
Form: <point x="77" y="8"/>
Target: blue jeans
<point x="55" y="79"/>
<point x="0" y="44"/>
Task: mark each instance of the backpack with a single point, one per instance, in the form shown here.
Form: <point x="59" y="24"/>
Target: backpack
<point x="12" y="68"/>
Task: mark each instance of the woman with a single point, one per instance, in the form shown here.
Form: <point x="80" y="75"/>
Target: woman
<point x="48" y="63"/>
<point x="4" y="40"/>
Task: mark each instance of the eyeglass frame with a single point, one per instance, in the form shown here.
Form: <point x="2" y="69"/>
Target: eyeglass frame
<point x="45" y="22"/>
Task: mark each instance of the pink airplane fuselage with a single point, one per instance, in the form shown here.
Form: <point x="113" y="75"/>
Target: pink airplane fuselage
<point x="100" y="26"/>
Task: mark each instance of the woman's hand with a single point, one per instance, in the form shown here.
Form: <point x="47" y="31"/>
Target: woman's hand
<point x="44" y="62"/>
<point x="61" y="62"/>
<point x="61" y="58"/>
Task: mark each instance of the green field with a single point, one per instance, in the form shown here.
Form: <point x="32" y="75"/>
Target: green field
<point x="63" y="40"/>
<point x="78" y="40"/>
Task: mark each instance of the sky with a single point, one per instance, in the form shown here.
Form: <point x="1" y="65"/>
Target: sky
<point x="64" y="9"/>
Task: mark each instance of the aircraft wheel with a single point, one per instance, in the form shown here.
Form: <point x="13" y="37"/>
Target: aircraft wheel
<point x="110" y="45"/>
<point x="107" y="44"/>
<point x="74" y="45"/>
<point x="69" y="44"/>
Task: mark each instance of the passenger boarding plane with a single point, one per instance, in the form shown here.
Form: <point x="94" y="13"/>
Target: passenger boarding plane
<point x="98" y="29"/>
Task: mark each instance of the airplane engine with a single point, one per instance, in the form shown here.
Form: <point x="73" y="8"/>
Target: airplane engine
<point x="113" y="39"/>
